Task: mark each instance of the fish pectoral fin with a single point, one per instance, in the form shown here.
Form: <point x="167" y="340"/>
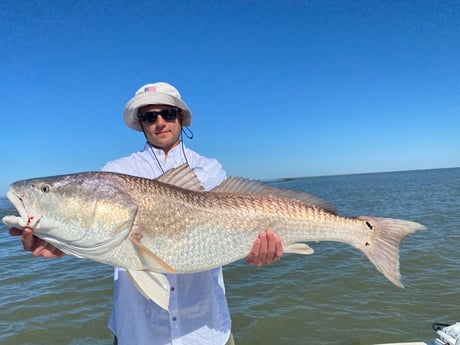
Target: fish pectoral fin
<point x="150" y="260"/>
<point x="299" y="248"/>
<point x="152" y="285"/>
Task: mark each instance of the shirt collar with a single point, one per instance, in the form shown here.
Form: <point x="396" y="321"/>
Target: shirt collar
<point x="174" y="159"/>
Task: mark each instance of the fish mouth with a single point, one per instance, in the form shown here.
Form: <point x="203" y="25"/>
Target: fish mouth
<point x="30" y="216"/>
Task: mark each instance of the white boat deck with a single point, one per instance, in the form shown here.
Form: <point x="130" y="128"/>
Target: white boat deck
<point x="416" y="343"/>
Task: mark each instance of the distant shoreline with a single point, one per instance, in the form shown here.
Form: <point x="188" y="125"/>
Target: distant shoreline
<point x="4" y="200"/>
<point x="281" y="179"/>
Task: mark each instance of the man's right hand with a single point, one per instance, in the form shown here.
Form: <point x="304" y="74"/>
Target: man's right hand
<point x="36" y="245"/>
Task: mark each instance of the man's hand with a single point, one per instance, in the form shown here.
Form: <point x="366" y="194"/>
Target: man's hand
<point x="267" y="248"/>
<point x="37" y="246"/>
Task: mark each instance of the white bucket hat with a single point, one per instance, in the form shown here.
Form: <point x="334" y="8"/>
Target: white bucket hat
<point x="156" y="93"/>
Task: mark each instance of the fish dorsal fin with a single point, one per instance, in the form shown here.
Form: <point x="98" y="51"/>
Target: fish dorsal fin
<point x="245" y="186"/>
<point x="183" y="177"/>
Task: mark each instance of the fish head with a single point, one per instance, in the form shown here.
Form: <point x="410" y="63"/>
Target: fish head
<point x="85" y="210"/>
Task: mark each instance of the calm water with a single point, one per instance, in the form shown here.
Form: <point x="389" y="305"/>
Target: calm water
<point x="332" y="297"/>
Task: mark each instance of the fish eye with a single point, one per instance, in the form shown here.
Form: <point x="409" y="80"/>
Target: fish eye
<point x="45" y="188"/>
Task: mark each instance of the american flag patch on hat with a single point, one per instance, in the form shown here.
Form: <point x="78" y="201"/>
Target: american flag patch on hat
<point x="150" y="89"/>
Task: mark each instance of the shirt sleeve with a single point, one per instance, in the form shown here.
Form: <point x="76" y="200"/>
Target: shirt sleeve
<point x="110" y="167"/>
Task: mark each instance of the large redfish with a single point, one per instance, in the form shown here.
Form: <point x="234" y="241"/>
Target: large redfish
<point x="170" y="225"/>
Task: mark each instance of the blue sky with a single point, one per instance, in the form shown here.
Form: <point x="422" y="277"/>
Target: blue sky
<point x="277" y="88"/>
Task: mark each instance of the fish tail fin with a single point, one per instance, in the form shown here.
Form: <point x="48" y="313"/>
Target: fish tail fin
<point x="383" y="249"/>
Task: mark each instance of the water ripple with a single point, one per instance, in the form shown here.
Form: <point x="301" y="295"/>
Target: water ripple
<point x="333" y="297"/>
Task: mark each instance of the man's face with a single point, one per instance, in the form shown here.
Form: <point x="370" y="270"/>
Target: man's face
<point x="161" y="133"/>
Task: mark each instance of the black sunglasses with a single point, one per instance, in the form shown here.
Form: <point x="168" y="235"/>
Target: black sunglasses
<point x="169" y="114"/>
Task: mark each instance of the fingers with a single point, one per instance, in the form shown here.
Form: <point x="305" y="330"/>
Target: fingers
<point x="253" y="256"/>
<point x="46" y="250"/>
<point x="274" y="248"/>
<point x="279" y="247"/>
<point x="267" y="248"/>
<point x="37" y="246"/>
<point x="15" y="232"/>
<point x="28" y="239"/>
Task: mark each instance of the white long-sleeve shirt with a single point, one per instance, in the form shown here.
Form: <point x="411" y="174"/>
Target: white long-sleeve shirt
<point x="198" y="312"/>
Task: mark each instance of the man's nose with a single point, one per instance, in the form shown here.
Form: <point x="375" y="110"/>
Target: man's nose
<point x="160" y="121"/>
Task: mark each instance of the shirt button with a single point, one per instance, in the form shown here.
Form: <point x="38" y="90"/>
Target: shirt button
<point x="172" y="288"/>
<point x="174" y="318"/>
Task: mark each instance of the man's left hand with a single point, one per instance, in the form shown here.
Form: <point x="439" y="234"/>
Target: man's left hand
<point x="267" y="248"/>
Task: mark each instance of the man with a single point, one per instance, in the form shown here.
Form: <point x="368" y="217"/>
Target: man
<point x="198" y="312"/>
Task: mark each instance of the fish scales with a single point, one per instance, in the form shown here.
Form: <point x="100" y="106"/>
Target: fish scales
<point x="192" y="223"/>
<point x="171" y="225"/>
